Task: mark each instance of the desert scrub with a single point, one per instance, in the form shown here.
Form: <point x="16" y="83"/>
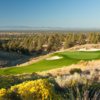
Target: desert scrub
<point x="71" y="80"/>
<point x="6" y="81"/>
<point x="31" y="90"/>
<point x="78" y="86"/>
<point x="75" y="70"/>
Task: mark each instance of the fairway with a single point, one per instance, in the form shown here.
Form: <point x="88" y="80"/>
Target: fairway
<point x="67" y="58"/>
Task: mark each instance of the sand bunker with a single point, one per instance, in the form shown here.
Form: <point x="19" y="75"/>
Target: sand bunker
<point x="92" y="49"/>
<point x="54" y="58"/>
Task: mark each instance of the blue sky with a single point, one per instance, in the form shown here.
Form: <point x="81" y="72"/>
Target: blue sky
<point x="50" y="13"/>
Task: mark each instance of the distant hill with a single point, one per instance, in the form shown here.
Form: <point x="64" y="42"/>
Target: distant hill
<point x="30" y="28"/>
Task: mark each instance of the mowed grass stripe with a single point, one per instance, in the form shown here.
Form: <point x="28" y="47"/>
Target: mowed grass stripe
<point x="68" y="58"/>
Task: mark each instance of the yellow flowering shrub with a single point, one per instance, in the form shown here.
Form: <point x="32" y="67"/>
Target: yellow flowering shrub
<point x="3" y="93"/>
<point x="32" y="90"/>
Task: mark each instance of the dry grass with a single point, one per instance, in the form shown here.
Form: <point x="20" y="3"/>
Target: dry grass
<point x="83" y="65"/>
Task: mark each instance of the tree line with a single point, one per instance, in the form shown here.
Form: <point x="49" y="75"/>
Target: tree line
<point x="46" y="42"/>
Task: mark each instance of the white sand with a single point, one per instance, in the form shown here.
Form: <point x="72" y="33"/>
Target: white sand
<point x="92" y="49"/>
<point x="54" y="58"/>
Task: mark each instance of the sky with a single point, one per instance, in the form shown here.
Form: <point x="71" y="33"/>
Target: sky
<point x="69" y="14"/>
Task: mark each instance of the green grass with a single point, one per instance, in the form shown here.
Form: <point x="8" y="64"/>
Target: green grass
<point x="68" y="59"/>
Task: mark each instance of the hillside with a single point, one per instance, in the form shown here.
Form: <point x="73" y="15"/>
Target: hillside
<point x="83" y="65"/>
<point x="86" y="47"/>
<point x="55" y="60"/>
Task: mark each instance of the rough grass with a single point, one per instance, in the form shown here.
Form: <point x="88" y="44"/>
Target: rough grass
<point x="69" y="58"/>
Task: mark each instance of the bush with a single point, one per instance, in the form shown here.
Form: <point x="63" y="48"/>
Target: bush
<point x="3" y="94"/>
<point x="32" y="90"/>
<point x="78" y="87"/>
<point x="7" y="81"/>
<point x="75" y="70"/>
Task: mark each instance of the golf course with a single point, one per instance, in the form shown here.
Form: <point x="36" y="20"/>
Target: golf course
<point x="55" y="60"/>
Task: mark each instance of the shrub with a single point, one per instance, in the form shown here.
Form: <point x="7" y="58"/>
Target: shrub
<point x="31" y="90"/>
<point x="3" y="94"/>
<point x="78" y="87"/>
<point x="7" y="81"/>
<point x="86" y="72"/>
<point x="75" y="70"/>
